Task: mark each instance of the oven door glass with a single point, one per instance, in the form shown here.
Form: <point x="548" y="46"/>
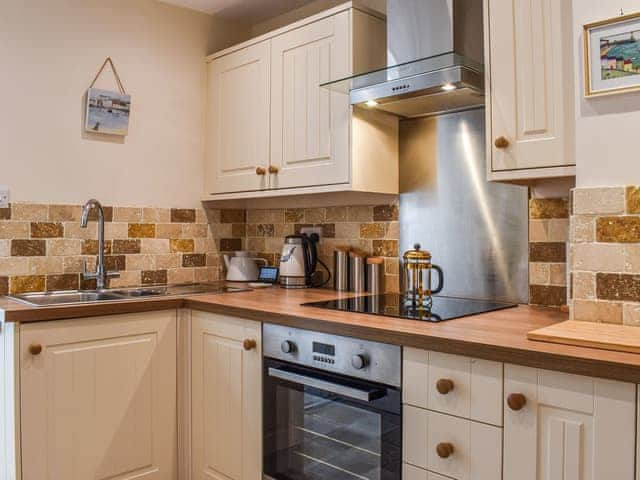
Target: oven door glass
<point x="322" y="426"/>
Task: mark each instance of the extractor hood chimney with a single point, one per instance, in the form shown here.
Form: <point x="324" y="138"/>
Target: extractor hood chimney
<point x="434" y="58"/>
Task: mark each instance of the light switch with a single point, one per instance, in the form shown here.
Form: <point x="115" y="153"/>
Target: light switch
<point x="4" y="196"/>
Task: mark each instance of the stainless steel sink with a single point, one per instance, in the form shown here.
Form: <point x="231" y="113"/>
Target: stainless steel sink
<point x="66" y="297"/>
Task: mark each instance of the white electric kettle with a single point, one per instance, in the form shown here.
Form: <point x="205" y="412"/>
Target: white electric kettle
<point x="241" y="267"/>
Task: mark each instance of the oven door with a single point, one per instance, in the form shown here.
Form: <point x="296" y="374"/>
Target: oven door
<point x="319" y="425"/>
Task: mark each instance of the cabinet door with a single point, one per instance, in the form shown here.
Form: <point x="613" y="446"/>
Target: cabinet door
<point x="571" y="427"/>
<point x="237" y="135"/>
<point x="531" y="97"/>
<point x="310" y="125"/>
<point x="226" y="398"/>
<point x="99" y="400"/>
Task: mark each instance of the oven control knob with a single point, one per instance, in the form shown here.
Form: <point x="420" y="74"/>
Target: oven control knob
<point x="288" y="346"/>
<point x="359" y="361"/>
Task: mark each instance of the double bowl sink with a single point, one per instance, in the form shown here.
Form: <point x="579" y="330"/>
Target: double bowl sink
<point x="74" y="297"/>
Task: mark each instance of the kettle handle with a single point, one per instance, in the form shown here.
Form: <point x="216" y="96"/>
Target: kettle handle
<point x="440" y="286"/>
<point x="263" y="260"/>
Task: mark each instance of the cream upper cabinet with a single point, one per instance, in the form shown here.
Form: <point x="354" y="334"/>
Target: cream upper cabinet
<point x="529" y="57"/>
<point x="310" y="124"/>
<point x="565" y="426"/>
<point x="98" y="398"/>
<point x="237" y="146"/>
<point x="226" y="397"/>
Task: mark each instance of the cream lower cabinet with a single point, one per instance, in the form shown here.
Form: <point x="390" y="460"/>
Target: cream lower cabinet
<point x="226" y="398"/>
<point x="98" y="398"/>
<point x="569" y="427"/>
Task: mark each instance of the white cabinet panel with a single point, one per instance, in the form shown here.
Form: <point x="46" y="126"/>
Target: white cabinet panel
<point x="237" y="135"/>
<point x="310" y="125"/>
<point x="99" y="401"/>
<point x="226" y="398"/>
<point x="571" y="427"/>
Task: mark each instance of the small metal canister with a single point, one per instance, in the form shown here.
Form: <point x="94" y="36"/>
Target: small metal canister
<point x="341" y="269"/>
<point x="375" y="277"/>
<point x="357" y="271"/>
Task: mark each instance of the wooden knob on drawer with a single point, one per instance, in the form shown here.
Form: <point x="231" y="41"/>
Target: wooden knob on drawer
<point x="501" y="142"/>
<point x="249" y="344"/>
<point x="35" y="349"/>
<point x="444" y="386"/>
<point x="516" y="401"/>
<point x="444" y="450"/>
<point x="273" y="169"/>
<point x="261" y="171"/>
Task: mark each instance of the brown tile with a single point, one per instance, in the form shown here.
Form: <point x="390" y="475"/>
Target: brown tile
<point x="186" y="245"/>
<point x="299" y="226"/>
<point x="238" y="230"/>
<point x="385" y="213"/>
<point x="194" y="260"/>
<point x="633" y="199"/>
<point x="107" y="211"/>
<point x="88" y="283"/>
<point x="142" y="230"/>
<point x="90" y="247"/>
<point x="549" y="208"/>
<point x="153" y="277"/>
<point x="251" y="230"/>
<point x="294" y="215"/>
<point x="115" y="263"/>
<point x="28" y="248"/>
<point x="547" y="252"/>
<point x="65" y="213"/>
<point x="230" y="244"/>
<point x="183" y="215"/>
<point x="5" y="213"/>
<point x="126" y="246"/>
<point x="373" y="230"/>
<point x="624" y="229"/>
<point x="264" y="230"/>
<point x="385" y="248"/>
<point x="4" y="285"/>
<point x="27" y="283"/>
<point x="314" y="215"/>
<point x="548" y="295"/>
<point x="46" y="230"/>
<point x="234" y="215"/>
<point x="618" y="286"/>
<point x="67" y="281"/>
<point x="328" y="230"/>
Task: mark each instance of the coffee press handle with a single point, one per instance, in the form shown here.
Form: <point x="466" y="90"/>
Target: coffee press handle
<point x="440" y="286"/>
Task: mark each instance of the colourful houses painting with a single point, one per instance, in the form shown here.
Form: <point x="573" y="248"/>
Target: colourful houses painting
<point x="620" y="55"/>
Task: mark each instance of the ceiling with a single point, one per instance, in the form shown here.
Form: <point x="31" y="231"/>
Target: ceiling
<point x="248" y="11"/>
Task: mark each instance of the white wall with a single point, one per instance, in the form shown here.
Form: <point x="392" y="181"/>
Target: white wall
<point x="607" y="128"/>
<point x="51" y="50"/>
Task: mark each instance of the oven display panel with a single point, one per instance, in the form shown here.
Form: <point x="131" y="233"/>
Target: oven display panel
<point x="324" y="349"/>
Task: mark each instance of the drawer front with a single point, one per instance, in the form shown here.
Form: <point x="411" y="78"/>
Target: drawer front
<point x="409" y="472"/>
<point x="474" y="449"/>
<point x="453" y="384"/>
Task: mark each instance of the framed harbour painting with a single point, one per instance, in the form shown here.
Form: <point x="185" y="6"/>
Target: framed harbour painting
<point x="612" y="55"/>
<point x="107" y="112"/>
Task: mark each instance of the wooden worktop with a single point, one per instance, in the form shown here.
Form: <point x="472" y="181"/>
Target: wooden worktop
<point x="499" y="336"/>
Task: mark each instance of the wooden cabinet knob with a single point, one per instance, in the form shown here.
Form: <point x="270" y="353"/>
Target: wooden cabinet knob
<point x="35" y="349"/>
<point x="444" y="386"/>
<point x="273" y="169"/>
<point x="249" y="344"/>
<point x="516" y="401"/>
<point x="501" y="142"/>
<point x="261" y="171"/>
<point x="444" y="450"/>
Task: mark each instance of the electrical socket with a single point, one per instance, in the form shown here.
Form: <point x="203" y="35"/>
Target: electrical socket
<point x="310" y="230"/>
<point x="4" y="196"/>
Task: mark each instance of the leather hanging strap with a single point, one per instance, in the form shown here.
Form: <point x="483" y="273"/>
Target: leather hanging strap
<point x="115" y="74"/>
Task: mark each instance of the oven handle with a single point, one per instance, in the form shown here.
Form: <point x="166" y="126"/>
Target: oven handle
<point x="342" y="390"/>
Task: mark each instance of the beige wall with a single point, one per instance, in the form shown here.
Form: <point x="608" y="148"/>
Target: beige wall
<point x="51" y="50"/>
<point x="606" y="127"/>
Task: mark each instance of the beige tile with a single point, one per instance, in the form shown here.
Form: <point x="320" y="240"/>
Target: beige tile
<point x="336" y="214"/>
<point x="5" y="248"/>
<point x="46" y="265"/>
<point x="222" y="230"/>
<point x="558" y="274"/>
<point x="156" y="215"/>
<point x="314" y="215"/>
<point x="538" y="230"/>
<point x="127" y="214"/>
<point x="32" y="212"/>
<point x="128" y="278"/>
<point x="73" y="230"/>
<point x="206" y="274"/>
<point x="214" y="215"/>
<point x="13" y="229"/>
<point x="601" y="312"/>
<point x="393" y="231"/>
<point x="347" y="230"/>
<point x="360" y="213"/>
<point x="584" y="285"/>
<point x="201" y="216"/>
<point x="154" y="245"/>
<point x="273" y="245"/>
<point x="598" y="257"/>
<point x="539" y="273"/>
<point x="168" y="230"/>
<point x="64" y="246"/>
<point x="194" y="230"/>
<point x="275" y="215"/>
<point x="582" y="228"/>
<point x="14" y="266"/>
<point x="116" y="230"/>
<point x="76" y="264"/>
<point x="391" y="266"/>
<point x="141" y="262"/>
<point x="180" y="275"/>
<point x="631" y="314"/>
<point x="559" y="230"/>
<point x="256" y="244"/>
<point x="166" y="261"/>
<point x="65" y="213"/>
<point x="598" y="200"/>
<point x="632" y="258"/>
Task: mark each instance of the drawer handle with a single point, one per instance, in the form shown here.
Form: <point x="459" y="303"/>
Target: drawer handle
<point x="444" y="450"/>
<point x="444" y="386"/>
<point x="261" y="171"/>
<point x="35" y="349"/>
<point x="249" y="344"/>
<point x="516" y="401"/>
<point x="273" y="169"/>
<point x="501" y="142"/>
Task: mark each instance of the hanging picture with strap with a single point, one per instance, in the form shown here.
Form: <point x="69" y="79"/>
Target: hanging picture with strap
<point x="107" y="111"/>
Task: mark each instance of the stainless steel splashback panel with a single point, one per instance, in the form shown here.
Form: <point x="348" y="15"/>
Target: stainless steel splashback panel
<point x="476" y="230"/>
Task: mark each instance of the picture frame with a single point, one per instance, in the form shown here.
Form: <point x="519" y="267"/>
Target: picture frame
<point x="612" y="55"/>
<point x="107" y="112"/>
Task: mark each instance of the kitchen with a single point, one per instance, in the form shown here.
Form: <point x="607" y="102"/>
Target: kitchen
<point x="306" y="239"/>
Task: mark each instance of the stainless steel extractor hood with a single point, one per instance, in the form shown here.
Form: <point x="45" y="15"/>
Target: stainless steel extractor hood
<point x="435" y="53"/>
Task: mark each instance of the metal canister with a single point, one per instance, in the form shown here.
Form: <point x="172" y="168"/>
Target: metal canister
<point x="341" y="269"/>
<point x="375" y="277"/>
<point x="357" y="271"/>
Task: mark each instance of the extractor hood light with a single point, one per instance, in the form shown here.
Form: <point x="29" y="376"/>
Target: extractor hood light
<point x="448" y="87"/>
<point x="371" y="103"/>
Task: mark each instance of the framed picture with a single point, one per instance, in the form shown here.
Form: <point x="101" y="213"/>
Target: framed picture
<point x="107" y="112"/>
<point x="612" y="55"/>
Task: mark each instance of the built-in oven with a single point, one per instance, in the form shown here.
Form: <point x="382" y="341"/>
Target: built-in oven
<point x="332" y="407"/>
